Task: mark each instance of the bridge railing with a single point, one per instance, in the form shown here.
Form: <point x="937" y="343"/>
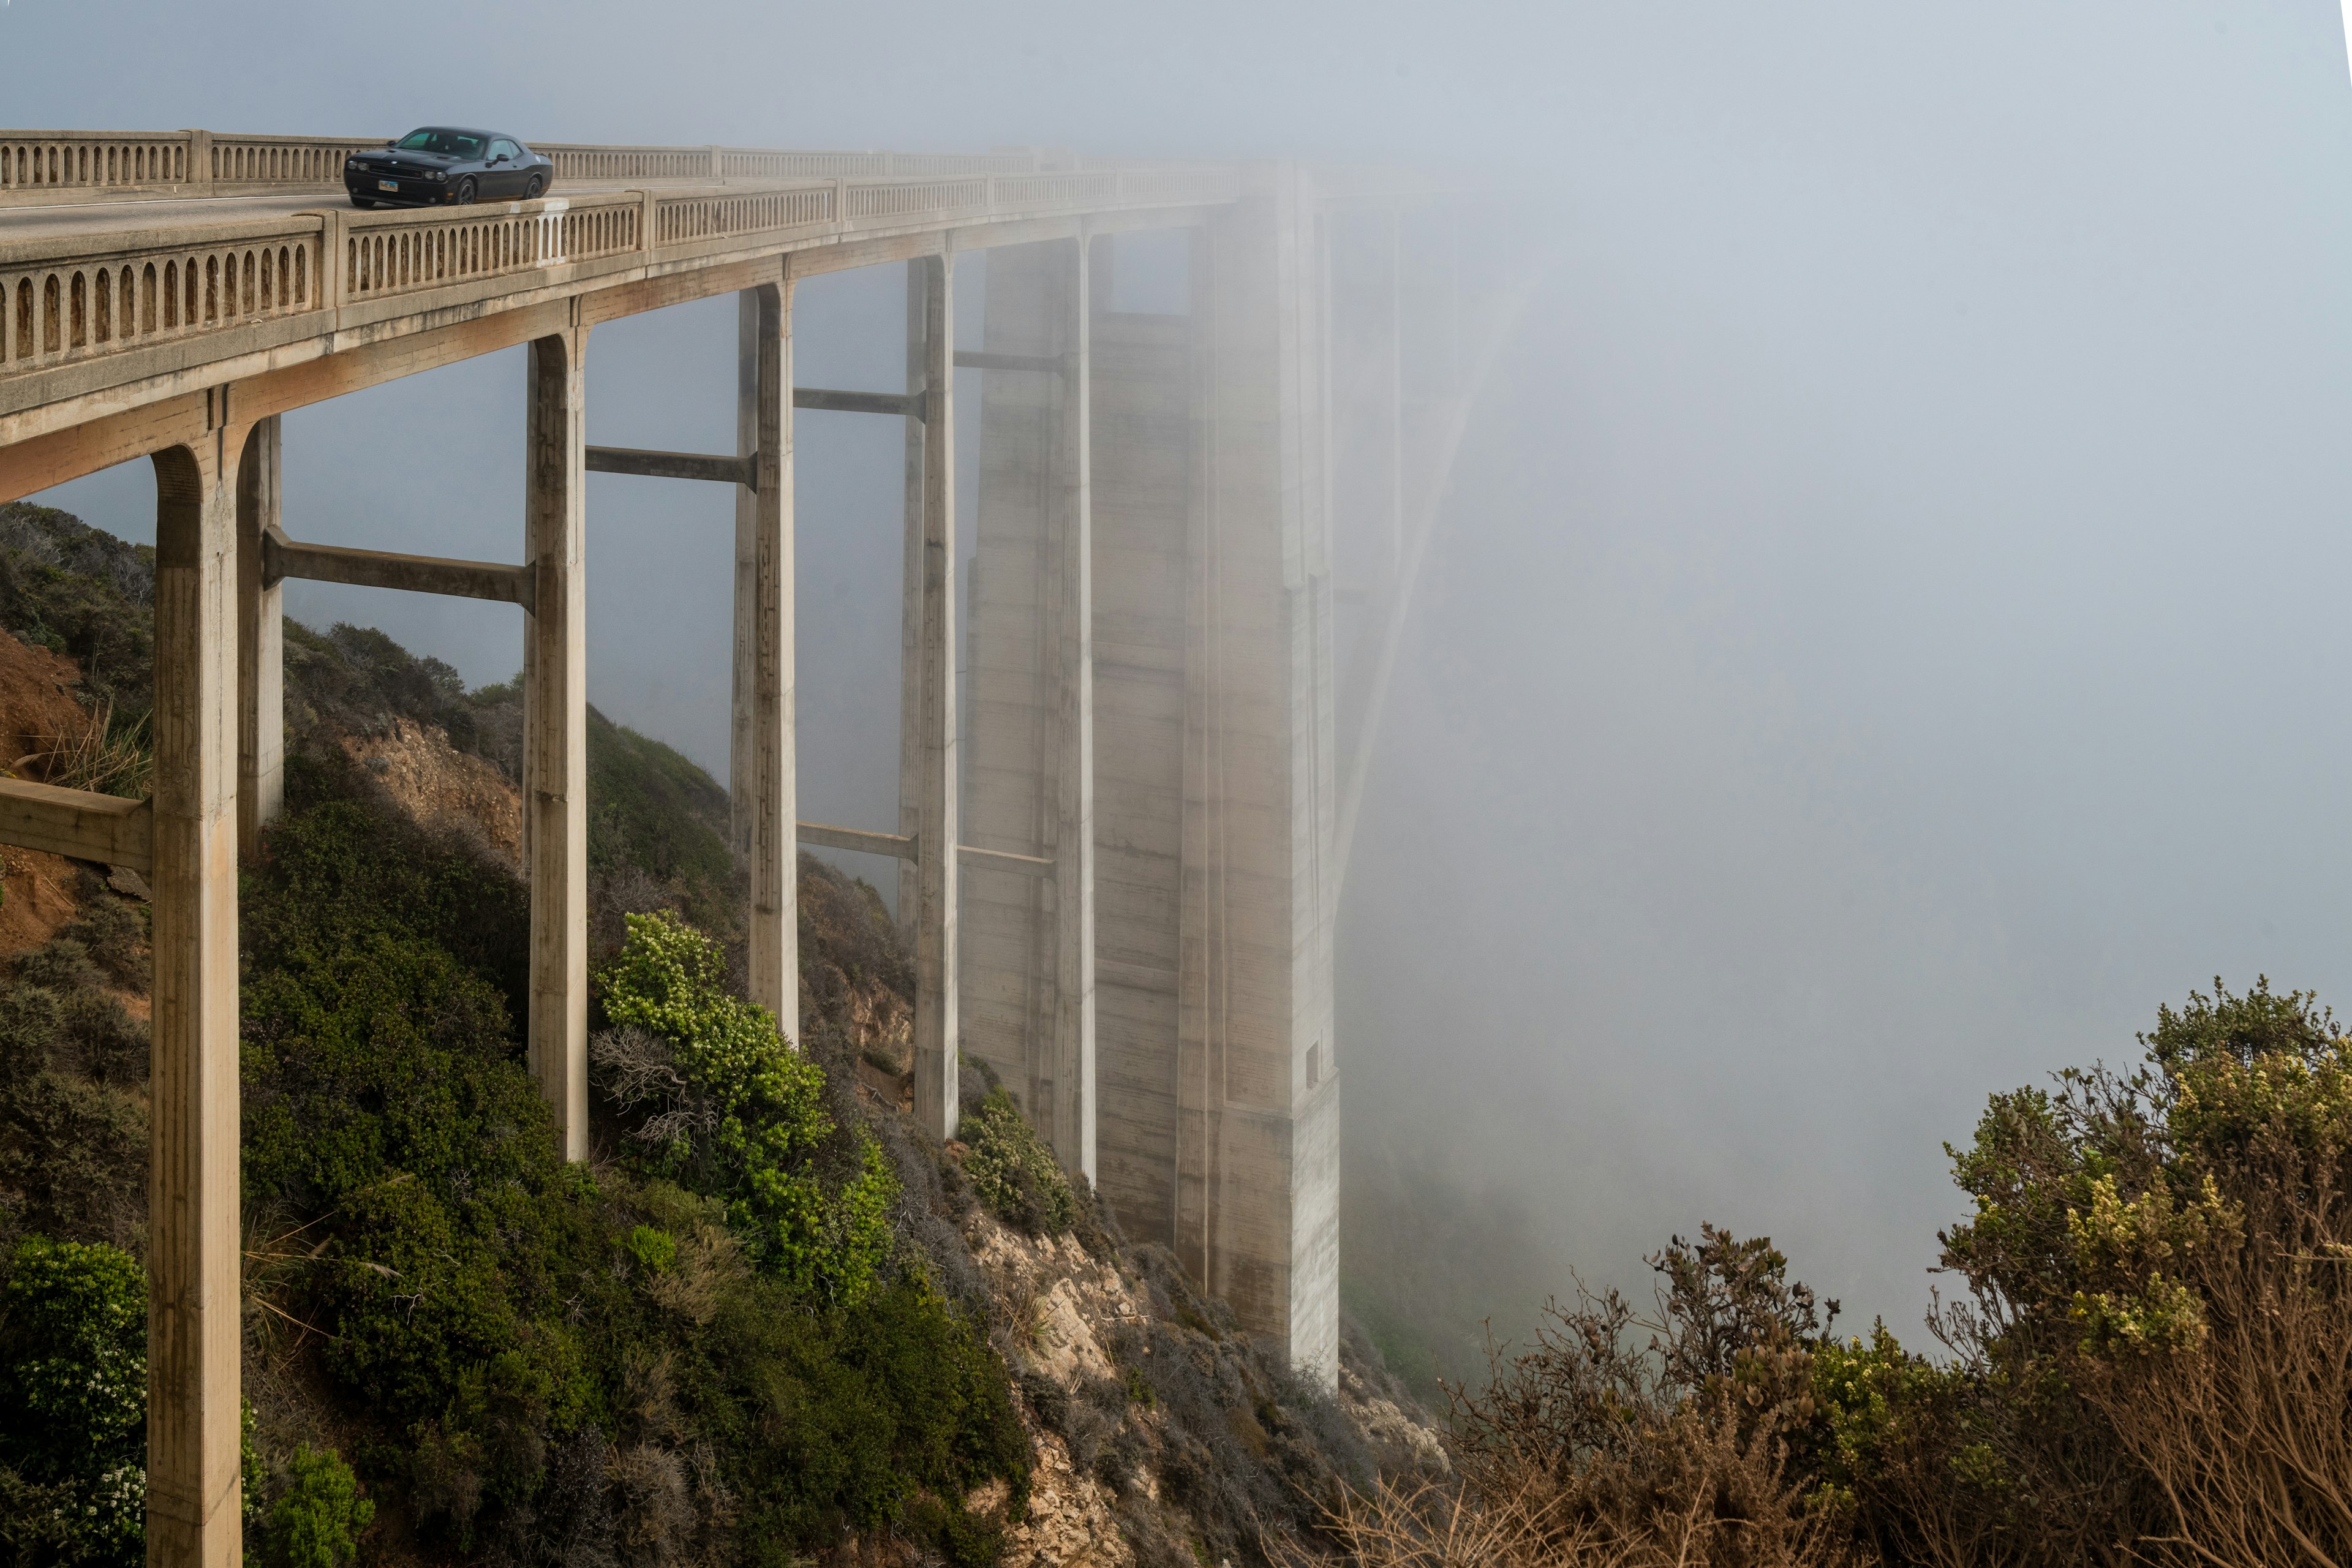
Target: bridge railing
<point x="54" y="165"/>
<point x="76" y="304"/>
<point x="42" y="167"/>
<point x="390" y="255"/>
<point x="77" y="297"/>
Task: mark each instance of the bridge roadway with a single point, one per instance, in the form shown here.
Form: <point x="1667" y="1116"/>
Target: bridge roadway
<point x="1135" y="936"/>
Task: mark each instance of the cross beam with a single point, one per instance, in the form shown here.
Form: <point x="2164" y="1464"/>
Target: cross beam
<point x="976" y="359"/>
<point x="908" y="846"/>
<point x="898" y="846"/>
<point x="905" y="404"/>
<point x="744" y="470"/>
<point x="282" y="558"/>
<point x="78" y="824"/>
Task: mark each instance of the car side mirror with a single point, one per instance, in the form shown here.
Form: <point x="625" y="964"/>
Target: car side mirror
<point x="499" y="159"/>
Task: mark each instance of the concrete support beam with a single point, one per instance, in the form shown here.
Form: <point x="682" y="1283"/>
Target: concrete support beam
<point x="763" y="776"/>
<point x="78" y="822"/>
<point x="282" y="558"/>
<point x="555" y="731"/>
<point x="823" y="835"/>
<point x="930" y="790"/>
<point x="990" y="359"/>
<point x="905" y="405"/>
<point x="260" y="641"/>
<point x="193" y="1299"/>
<point x="1028" y="899"/>
<point x="737" y="471"/>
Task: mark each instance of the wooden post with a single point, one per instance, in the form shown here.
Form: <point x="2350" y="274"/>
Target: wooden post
<point x="261" y="644"/>
<point x="937" y="818"/>
<point x="555" y="732"/>
<point x="192" y="1302"/>
<point x="1074" y="839"/>
<point x="765" y="789"/>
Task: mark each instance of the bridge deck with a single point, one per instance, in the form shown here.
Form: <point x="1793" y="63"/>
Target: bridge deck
<point x="114" y="310"/>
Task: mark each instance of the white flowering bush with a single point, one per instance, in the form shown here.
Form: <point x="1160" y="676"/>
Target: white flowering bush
<point x="73" y="1401"/>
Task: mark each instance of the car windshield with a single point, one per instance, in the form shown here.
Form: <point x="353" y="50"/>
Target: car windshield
<point x="450" y="143"/>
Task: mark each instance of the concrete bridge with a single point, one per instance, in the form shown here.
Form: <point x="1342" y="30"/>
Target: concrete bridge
<point x="1120" y="851"/>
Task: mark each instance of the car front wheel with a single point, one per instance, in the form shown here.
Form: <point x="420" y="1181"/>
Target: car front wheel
<point x="362" y="204"/>
<point x="537" y="184"/>
<point x="466" y="192"/>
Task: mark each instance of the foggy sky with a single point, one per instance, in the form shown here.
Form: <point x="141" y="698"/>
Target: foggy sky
<point x="1886" y="632"/>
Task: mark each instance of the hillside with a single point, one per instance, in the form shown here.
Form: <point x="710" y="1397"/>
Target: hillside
<point x="770" y="1320"/>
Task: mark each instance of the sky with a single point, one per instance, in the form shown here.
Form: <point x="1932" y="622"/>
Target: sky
<point x="1884" y="634"/>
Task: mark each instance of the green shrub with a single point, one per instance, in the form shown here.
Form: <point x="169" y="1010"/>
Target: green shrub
<point x="1014" y="1171"/>
<point x="651" y="809"/>
<point x="317" y="1520"/>
<point x="748" y="1118"/>
<point x="655" y="1250"/>
<point x="75" y="590"/>
<point x="73" y="1364"/>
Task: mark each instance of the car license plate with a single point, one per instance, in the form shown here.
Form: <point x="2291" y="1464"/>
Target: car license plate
<point x="387" y="184"/>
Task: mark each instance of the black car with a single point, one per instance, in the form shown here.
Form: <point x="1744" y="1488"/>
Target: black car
<point x="441" y="164"/>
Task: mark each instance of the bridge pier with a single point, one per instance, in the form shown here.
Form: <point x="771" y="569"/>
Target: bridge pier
<point x="1219" y="1109"/>
<point x="764" y="789"/>
<point x="194" y="1295"/>
<point x="556" y="729"/>
<point x="260" y="641"/>
<point x="930" y="788"/>
<point x="1028" y="989"/>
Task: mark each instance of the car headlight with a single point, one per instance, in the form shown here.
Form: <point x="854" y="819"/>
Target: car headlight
<point x="437" y="175"/>
<point x="352" y="164"/>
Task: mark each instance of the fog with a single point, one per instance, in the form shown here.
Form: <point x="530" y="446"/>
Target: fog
<point x="1882" y="637"/>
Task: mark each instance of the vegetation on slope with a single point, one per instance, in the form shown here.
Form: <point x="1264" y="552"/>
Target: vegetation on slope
<point x="2152" y="1361"/>
<point x="754" y="1326"/>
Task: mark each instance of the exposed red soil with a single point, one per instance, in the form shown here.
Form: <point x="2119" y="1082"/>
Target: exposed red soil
<point x="38" y="707"/>
<point x="40" y="898"/>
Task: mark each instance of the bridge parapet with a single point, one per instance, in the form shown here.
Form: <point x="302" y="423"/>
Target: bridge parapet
<point x="71" y="300"/>
<point x="46" y="167"/>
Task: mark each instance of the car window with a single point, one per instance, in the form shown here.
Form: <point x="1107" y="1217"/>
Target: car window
<point x="448" y="143"/>
<point x="505" y="149"/>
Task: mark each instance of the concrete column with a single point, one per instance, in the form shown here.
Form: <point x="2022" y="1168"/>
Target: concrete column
<point x="555" y="733"/>
<point x="937" y="824"/>
<point x="1074" y="839"/>
<point x="1144" y="488"/>
<point x="1028" y="942"/>
<point x="1219" y="1132"/>
<point x="765" y="811"/>
<point x="1258" y="1178"/>
<point x="261" y="644"/>
<point x="193" y="1263"/>
<point x="910" y="616"/>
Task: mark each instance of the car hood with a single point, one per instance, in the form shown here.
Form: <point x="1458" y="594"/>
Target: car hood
<point x="398" y="155"/>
